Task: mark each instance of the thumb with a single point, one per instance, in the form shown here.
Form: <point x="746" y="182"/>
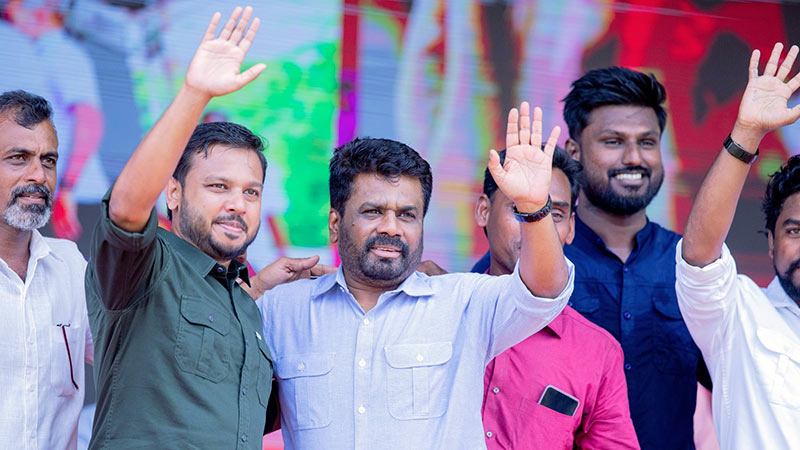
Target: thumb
<point x="301" y="264"/>
<point x="250" y="74"/>
<point x="495" y="168"/>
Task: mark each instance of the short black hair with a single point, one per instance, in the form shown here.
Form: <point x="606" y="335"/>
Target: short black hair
<point x="561" y="160"/>
<point x="783" y="184"/>
<point x="29" y="109"/>
<point x="206" y="135"/>
<point x="385" y="157"/>
<point x="612" y="86"/>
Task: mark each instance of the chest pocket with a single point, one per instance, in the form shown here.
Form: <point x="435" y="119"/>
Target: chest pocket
<point x="779" y="367"/>
<point x="201" y="347"/>
<point x="674" y="351"/>
<point x="305" y="388"/>
<point x="418" y="385"/>
<point x="66" y="365"/>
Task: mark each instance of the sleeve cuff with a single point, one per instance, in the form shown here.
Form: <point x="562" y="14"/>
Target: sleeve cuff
<point x="531" y="304"/>
<point x="122" y="239"/>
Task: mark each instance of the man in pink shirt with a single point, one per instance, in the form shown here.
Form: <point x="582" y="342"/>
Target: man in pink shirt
<point x="563" y="387"/>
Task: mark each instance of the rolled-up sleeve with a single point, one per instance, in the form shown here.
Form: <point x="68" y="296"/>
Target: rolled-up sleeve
<point x="706" y="296"/>
<point x="515" y="312"/>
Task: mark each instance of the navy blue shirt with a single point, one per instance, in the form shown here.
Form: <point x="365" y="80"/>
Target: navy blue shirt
<point x="635" y="301"/>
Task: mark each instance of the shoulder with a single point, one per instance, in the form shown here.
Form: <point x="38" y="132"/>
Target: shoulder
<point x="65" y="250"/>
<point x="591" y="336"/>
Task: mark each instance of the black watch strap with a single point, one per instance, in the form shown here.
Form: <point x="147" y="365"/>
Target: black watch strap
<point x="738" y="152"/>
<point x="534" y="216"/>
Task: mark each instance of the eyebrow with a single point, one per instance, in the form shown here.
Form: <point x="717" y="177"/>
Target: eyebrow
<point x="561" y="204"/>
<point x="791" y="222"/>
<point x="218" y="179"/>
<point x="25" y="151"/>
<point x="382" y="206"/>
<point x="617" y="132"/>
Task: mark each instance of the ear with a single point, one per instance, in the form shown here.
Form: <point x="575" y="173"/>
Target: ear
<point x="771" y="244"/>
<point x="333" y="226"/>
<point x="573" y="148"/>
<point x="482" y="210"/>
<point x="174" y="194"/>
<point x="571" y="234"/>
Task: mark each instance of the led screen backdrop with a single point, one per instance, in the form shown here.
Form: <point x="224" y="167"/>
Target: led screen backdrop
<point x="439" y="75"/>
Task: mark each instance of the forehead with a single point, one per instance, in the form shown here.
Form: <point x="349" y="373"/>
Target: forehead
<point x="622" y="118"/>
<point x="40" y="139"/>
<point x="790" y="209"/>
<point x="372" y="188"/>
<point x="233" y="163"/>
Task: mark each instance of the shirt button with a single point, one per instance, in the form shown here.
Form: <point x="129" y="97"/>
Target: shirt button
<point x="244" y="391"/>
<point x="362" y="363"/>
<point x="496" y="390"/>
<point x="626" y="315"/>
<point x="301" y="367"/>
<point x="244" y="438"/>
<point x="361" y="409"/>
<point x="625" y="269"/>
<point x="211" y="318"/>
<point x="489" y="434"/>
<point x="420" y="357"/>
<point x="220" y="269"/>
<point x="569" y="303"/>
<point x="627" y="366"/>
<point x="366" y="321"/>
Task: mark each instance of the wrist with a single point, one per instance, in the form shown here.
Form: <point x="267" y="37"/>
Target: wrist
<point x="194" y="94"/>
<point x="748" y="137"/>
<point x="529" y="206"/>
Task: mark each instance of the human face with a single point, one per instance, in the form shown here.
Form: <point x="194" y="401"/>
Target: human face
<point x="27" y="173"/>
<point x="784" y="247"/>
<point x="380" y="233"/>
<point x="219" y="207"/>
<point x="502" y="229"/>
<point x="620" y="150"/>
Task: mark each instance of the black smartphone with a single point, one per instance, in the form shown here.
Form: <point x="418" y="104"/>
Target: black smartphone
<point x="559" y="401"/>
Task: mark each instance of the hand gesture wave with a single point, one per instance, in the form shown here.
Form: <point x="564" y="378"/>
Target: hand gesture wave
<point x="764" y="104"/>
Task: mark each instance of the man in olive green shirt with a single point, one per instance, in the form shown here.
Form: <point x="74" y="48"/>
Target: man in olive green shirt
<point x="180" y="361"/>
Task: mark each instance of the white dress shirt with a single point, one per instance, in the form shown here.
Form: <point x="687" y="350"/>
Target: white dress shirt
<point x="406" y="374"/>
<point x="750" y="339"/>
<point x="39" y="403"/>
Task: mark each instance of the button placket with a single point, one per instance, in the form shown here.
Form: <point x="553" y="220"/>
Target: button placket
<point x="362" y="376"/>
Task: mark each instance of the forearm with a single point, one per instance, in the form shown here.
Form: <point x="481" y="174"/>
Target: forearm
<point x="541" y="262"/>
<point x="712" y="212"/>
<point x="154" y="160"/>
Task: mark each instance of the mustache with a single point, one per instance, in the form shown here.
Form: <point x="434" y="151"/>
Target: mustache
<point x="632" y="169"/>
<point x="232" y="217"/>
<point x="792" y="267"/>
<point x="32" y="189"/>
<point x="385" y="239"/>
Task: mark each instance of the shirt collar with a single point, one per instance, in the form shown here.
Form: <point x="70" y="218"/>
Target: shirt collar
<point x="39" y="247"/>
<point x="416" y="285"/>
<point x="779" y="297"/>
<point x="584" y="233"/>
<point x="199" y="261"/>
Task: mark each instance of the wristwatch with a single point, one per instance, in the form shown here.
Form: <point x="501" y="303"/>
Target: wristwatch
<point x="738" y="152"/>
<point x="534" y="216"/>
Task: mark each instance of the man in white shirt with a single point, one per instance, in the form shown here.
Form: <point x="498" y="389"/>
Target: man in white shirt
<point x="749" y="336"/>
<point x="45" y="337"/>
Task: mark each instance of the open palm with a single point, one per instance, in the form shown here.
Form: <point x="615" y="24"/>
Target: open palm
<point x="524" y="176"/>
<point x="764" y="105"/>
<point x="215" y="66"/>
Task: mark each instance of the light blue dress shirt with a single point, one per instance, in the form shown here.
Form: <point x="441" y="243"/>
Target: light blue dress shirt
<point x="407" y="374"/>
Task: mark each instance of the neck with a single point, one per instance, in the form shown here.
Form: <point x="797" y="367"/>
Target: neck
<point x="497" y="269"/>
<point x="617" y="232"/>
<point x="364" y="291"/>
<point x="15" y="248"/>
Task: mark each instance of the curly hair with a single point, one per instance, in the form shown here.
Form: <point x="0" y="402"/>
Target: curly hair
<point x="29" y="109"/>
<point x="783" y="184"/>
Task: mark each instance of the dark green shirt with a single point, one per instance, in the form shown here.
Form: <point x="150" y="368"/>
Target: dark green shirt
<point x="179" y="357"/>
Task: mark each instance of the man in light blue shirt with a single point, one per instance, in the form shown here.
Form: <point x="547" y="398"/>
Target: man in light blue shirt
<point x="380" y="356"/>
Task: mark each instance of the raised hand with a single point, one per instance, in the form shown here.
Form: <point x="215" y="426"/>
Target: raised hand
<point x="764" y="104"/>
<point x="285" y="270"/>
<point x="524" y="177"/>
<point x="215" y="67"/>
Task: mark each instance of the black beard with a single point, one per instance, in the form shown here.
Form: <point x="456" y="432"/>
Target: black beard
<point x="190" y="226"/>
<point x="786" y="281"/>
<point x="608" y="200"/>
<point x="379" y="269"/>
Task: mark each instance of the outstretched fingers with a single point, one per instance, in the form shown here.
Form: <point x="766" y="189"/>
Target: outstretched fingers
<point x="250" y="74"/>
<point x="524" y="123"/>
<point x="512" y="129"/>
<point x="495" y="168"/>
<point x="241" y="25"/>
<point x="227" y="30"/>
<point x="536" y="135"/>
<point x="788" y="62"/>
<point x="247" y="41"/>
<point x="211" y="30"/>
<point x="772" y="63"/>
<point x="550" y="146"/>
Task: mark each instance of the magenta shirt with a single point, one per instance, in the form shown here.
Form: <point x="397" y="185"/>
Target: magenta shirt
<point x="578" y="358"/>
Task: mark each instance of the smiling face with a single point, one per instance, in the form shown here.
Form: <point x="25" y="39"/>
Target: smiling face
<point x="27" y="172"/>
<point x="784" y="246"/>
<point x="218" y="209"/>
<point x="502" y="229"/>
<point x="380" y="233"/>
<point x="620" y="149"/>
